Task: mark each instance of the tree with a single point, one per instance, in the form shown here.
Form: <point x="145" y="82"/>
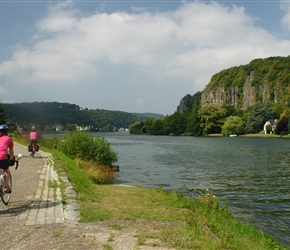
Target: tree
<point x="70" y="127"/>
<point x="136" y="128"/>
<point x="211" y="118"/>
<point x="157" y="127"/>
<point x="282" y="125"/>
<point x="175" y="124"/>
<point x="233" y="125"/>
<point x="259" y="114"/>
<point x="2" y="114"/>
<point x="193" y="125"/>
<point x="286" y="114"/>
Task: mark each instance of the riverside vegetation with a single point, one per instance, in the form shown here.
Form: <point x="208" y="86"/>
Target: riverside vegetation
<point x="197" y="223"/>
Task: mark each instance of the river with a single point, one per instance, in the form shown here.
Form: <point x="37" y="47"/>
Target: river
<point x="252" y="174"/>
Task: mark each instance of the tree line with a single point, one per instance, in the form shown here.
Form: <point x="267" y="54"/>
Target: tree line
<point x="47" y="116"/>
<point x="216" y="119"/>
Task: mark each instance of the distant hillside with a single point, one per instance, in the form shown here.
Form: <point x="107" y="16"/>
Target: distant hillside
<point x="144" y="116"/>
<point x="49" y="115"/>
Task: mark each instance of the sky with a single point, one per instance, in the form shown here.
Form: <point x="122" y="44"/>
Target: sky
<point x="133" y="56"/>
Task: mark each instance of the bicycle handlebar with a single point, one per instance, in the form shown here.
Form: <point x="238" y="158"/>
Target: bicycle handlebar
<point x="16" y="160"/>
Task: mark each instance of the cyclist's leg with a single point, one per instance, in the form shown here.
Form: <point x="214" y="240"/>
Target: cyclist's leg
<point x="5" y="197"/>
<point x="6" y="193"/>
<point x="33" y="149"/>
<point x="6" y="178"/>
<point x="4" y="165"/>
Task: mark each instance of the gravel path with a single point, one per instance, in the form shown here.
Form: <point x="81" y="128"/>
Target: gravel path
<point x="36" y="219"/>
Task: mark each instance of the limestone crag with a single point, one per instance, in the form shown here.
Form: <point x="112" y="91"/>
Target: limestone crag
<point x="244" y="97"/>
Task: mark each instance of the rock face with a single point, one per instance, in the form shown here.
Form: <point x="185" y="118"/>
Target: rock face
<point x="245" y="97"/>
<point x="185" y="104"/>
<point x="260" y="81"/>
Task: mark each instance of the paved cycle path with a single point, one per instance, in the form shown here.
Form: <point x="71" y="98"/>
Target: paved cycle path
<point x="36" y="218"/>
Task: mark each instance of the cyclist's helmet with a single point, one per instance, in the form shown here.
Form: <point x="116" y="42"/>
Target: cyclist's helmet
<point x="3" y="127"/>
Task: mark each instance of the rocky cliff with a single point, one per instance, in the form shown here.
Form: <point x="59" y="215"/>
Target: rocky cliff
<point x="260" y="81"/>
<point x="245" y="97"/>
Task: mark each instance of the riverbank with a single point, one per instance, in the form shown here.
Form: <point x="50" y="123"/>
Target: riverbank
<point x="161" y="219"/>
<point x="255" y="135"/>
<point x="108" y="205"/>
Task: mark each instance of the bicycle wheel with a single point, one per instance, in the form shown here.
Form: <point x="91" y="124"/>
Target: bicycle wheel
<point x="5" y="198"/>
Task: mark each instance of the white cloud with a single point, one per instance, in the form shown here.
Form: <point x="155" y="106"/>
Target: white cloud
<point x="148" y="50"/>
<point x="285" y="6"/>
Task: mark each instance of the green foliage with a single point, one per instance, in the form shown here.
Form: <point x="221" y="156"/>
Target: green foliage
<point x="211" y="118"/>
<point x="233" y="125"/>
<point x="2" y="114"/>
<point x="176" y="124"/>
<point x="234" y="76"/>
<point x="48" y="114"/>
<point x="285" y="113"/>
<point x="157" y="127"/>
<point x="51" y="142"/>
<point x="193" y="125"/>
<point x="84" y="146"/>
<point x="136" y="128"/>
<point x="259" y="114"/>
<point x="70" y="127"/>
<point x="282" y="126"/>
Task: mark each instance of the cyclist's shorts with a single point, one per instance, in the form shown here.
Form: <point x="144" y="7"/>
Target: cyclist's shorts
<point x="33" y="141"/>
<point x="4" y="164"/>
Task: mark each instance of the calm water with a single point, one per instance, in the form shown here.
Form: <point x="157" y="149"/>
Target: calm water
<point x="253" y="174"/>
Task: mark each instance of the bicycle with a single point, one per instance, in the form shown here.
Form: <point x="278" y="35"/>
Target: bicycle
<point x="5" y="198"/>
<point x="33" y="147"/>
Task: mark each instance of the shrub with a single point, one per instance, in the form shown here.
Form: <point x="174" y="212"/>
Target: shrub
<point x="52" y="142"/>
<point x="84" y="146"/>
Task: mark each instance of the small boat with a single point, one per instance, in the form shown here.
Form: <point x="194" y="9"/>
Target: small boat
<point x="233" y="135"/>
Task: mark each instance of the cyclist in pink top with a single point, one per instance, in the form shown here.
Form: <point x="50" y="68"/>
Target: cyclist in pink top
<point x="5" y="143"/>
<point x="33" y="137"/>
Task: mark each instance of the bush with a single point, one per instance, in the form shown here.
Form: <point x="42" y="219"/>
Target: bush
<point x="52" y="142"/>
<point x="84" y="146"/>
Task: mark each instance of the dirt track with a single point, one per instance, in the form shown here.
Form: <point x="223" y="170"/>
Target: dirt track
<point x="35" y="219"/>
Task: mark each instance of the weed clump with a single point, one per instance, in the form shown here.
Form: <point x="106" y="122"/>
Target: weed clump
<point x="100" y="174"/>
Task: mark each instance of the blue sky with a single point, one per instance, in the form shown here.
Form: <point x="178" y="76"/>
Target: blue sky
<point x="133" y="56"/>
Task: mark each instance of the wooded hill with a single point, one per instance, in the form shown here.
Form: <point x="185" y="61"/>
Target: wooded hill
<point x="49" y="115"/>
